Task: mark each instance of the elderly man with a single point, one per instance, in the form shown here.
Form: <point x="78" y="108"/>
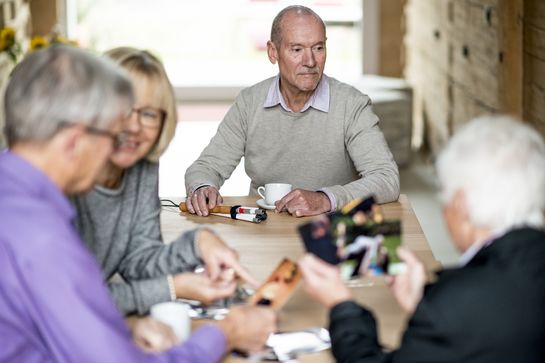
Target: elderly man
<point x="64" y="110"/>
<point x="300" y="127"/>
<point x="490" y="308"/>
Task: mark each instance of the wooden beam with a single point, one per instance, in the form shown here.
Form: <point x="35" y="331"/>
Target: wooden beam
<point x="511" y="53"/>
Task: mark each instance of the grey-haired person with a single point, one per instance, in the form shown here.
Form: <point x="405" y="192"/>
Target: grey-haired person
<point x="300" y="127"/>
<point x="65" y="111"/>
<point x="487" y="309"/>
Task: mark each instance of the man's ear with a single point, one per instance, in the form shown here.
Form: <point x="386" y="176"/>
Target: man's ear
<point x="71" y="139"/>
<point x="272" y="52"/>
<point x="459" y="202"/>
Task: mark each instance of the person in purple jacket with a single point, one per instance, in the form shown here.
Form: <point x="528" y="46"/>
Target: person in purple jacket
<point x="64" y="110"/>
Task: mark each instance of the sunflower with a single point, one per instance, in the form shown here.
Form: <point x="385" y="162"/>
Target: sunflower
<point x="7" y="38"/>
<point x="38" y="42"/>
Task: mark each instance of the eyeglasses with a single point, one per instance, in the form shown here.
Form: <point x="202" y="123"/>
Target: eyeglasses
<point x="149" y="116"/>
<point x="117" y="138"/>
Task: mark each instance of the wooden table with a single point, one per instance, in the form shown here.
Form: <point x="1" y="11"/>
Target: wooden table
<point x="262" y="246"/>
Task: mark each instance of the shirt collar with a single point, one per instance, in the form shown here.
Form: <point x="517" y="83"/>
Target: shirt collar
<point x="474" y="249"/>
<point x="319" y="99"/>
<point x="36" y="182"/>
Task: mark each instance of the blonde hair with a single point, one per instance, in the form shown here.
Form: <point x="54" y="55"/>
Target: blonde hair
<point x="143" y="63"/>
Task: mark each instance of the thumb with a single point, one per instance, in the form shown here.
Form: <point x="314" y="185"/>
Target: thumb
<point x="213" y="270"/>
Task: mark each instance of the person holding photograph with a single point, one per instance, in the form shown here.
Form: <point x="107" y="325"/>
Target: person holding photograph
<point x="490" y="308"/>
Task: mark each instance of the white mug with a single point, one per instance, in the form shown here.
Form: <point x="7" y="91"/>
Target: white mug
<point x="175" y="315"/>
<point x="273" y="191"/>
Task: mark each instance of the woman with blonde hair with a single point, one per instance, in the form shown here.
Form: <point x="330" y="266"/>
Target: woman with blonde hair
<point x="119" y="218"/>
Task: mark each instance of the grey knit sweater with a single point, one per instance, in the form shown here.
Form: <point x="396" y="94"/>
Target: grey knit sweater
<point x="122" y="229"/>
<point x="342" y="151"/>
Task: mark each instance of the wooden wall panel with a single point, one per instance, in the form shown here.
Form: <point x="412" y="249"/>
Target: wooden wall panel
<point x="391" y="30"/>
<point x="534" y="63"/>
<point x="470" y="51"/>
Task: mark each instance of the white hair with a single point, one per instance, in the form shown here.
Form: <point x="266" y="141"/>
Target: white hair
<point x="499" y="163"/>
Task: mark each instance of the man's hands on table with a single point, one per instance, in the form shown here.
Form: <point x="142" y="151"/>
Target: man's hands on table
<point x="203" y="199"/>
<point x="298" y="202"/>
<point x="301" y="203"/>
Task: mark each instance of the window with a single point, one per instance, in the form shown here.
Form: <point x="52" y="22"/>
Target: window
<point x="214" y="43"/>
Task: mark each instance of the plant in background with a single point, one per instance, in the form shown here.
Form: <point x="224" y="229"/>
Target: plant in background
<point x="40" y="41"/>
<point x="8" y="44"/>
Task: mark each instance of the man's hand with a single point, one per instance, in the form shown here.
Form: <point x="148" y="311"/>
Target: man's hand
<point x="151" y="335"/>
<point x="248" y="327"/>
<point x="219" y="257"/>
<point x="302" y="203"/>
<point x="202" y="288"/>
<point x="202" y="200"/>
<point x="408" y="286"/>
<point x="323" y="282"/>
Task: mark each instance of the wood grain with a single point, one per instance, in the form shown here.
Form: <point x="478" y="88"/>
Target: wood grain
<point x="262" y="246"/>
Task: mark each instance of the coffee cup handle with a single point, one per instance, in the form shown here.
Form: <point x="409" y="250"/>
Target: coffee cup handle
<point x="261" y="192"/>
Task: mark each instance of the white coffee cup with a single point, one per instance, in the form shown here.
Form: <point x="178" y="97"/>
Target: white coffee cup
<point x="272" y="192"/>
<point x="175" y="315"/>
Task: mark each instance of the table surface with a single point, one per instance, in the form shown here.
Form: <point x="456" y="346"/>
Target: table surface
<point x="262" y="246"/>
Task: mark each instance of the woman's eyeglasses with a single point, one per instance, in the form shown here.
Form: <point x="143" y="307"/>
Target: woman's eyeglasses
<point x="149" y="116"/>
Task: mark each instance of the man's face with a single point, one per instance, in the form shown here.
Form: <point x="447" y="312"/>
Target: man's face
<point x="96" y="149"/>
<point x="301" y="54"/>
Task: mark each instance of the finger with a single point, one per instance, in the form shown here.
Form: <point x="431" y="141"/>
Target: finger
<point x="212" y="195"/>
<point x="408" y="256"/>
<point x="231" y="261"/>
<point x="213" y="269"/>
<point x="203" y="207"/>
<point x="281" y="204"/>
<point x="189" y="204"/>
<point x="195" y="203"/>
<point x="219" y="292"/>
<point x="245" y="275"/>
<point x="305" y="212"/>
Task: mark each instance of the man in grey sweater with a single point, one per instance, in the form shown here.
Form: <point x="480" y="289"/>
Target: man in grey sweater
<point x="300" y="127"/>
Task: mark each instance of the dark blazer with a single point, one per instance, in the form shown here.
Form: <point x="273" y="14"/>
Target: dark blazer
<point x="491" y="310"/>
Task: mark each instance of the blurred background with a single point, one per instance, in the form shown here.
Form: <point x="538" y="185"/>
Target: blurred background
<point x="428" y="65"/>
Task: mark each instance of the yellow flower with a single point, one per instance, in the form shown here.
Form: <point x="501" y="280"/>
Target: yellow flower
<point x="38" y="42"/>
<point x="7" y="38"/>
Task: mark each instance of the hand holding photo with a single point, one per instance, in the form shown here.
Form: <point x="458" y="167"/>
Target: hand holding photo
<point x="357" y="238"/>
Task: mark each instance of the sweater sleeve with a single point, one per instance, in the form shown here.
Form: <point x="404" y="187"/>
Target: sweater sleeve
<point x="138" y="296"/>
<point x="373" y="161"/>
<point x="354" y="335"/>
<point x="146" y="255"/>
<point x="222" y="155"/>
